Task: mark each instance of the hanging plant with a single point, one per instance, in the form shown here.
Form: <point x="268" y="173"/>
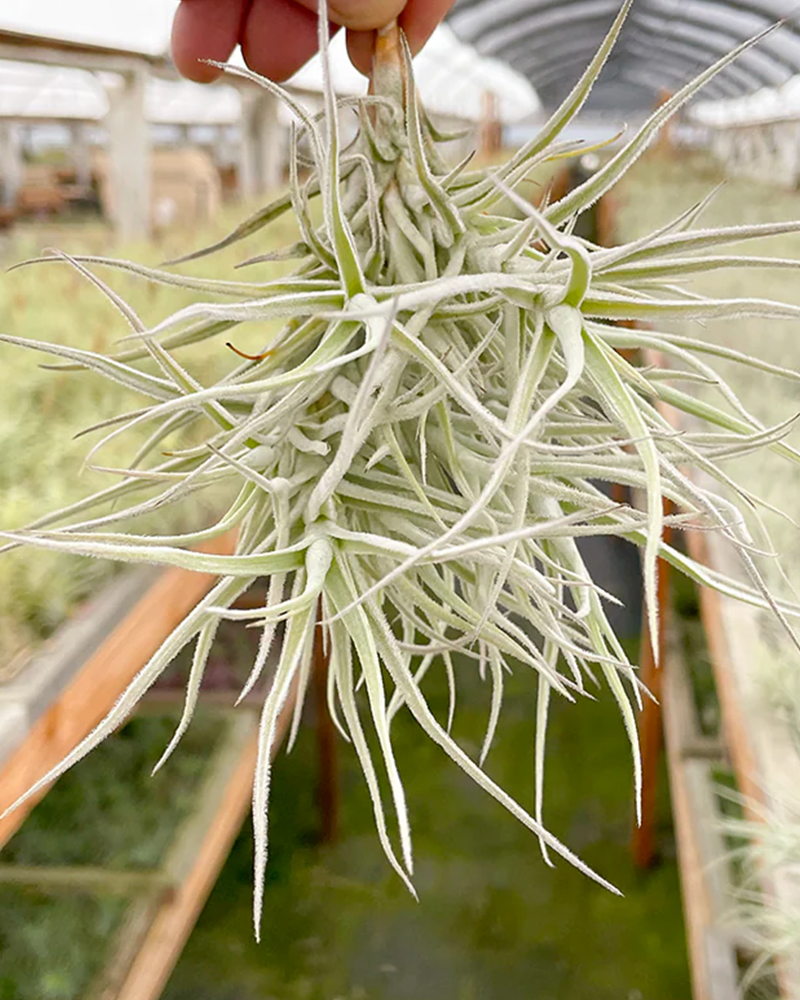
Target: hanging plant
<point x="418" y="451"/>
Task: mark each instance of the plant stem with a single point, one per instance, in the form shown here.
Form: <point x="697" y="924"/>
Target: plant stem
<point x="388" y="68"/>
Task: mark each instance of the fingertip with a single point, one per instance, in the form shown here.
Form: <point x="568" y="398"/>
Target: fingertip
<point x="204" y="29"/>
<point x="359" y="15"/>
<point x="363" y="16"/>
<point x="278" y="37"/>
<point x="419" y="20"/>
<point x="192" y="67"/>
<point x="360" y="46"/>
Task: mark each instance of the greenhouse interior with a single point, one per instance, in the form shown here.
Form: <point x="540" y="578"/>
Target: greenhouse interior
<point x="409" y="605"/>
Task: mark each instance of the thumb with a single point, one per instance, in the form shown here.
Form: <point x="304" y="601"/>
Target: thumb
<point x="359" y="15"/>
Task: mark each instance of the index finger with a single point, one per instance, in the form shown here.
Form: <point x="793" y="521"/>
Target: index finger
<point x="418" y="19"/>
<point x="205" y="29"/>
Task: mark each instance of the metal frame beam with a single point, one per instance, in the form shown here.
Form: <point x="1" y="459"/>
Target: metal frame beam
<point x="567" y="62"/>
<point x="543" y="39"/>
<point x="640" y="70"/>
<point x="692" y="58"/>
<point x="670" y="75"/>
<point x="129" y="156"/>
<point x="16" y="45"/>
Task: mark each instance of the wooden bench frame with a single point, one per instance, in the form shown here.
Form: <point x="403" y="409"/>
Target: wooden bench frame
<point x="111" y="663"/>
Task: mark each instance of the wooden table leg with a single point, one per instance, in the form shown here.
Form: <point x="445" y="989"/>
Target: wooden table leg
<point x="328" y="790"/>
<point x="651" y="730"/>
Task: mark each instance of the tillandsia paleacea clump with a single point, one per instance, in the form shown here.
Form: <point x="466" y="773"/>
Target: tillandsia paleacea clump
<point x="418" y="451"/>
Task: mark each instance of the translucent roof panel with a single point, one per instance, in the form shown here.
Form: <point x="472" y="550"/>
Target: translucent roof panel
<point x="452" y="77"/>
<point x="43" y="92"/>
<point x="663" y="44"/>
<point x="767" y="104"/>
<point x="32" y="92"/>
<point x="179" y="102"/>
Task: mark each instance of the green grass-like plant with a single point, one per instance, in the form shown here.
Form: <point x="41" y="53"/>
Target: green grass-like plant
<point x="419" y="450"/>
<point x="43" y="411"/>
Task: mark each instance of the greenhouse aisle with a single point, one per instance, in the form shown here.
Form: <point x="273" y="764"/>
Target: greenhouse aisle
<point x="493" y="921"/>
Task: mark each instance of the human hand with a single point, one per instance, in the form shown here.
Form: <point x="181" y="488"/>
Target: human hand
<point x="279" y="36"/>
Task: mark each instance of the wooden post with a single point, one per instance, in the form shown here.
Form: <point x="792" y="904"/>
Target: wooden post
<point x="11" y="163"/>
<point x="81" y="156"/>
<point x="651" y="727"/>
<point x="491" y="131"/>
<point x="326" y="746"/>
<point x="247" y="167"/>
<point x="643" y="841"/>
<point x="129" y="155"/>
<point x="666" y="135"/>
<point x="261" y="153"/>
<point x="270" y="143"/>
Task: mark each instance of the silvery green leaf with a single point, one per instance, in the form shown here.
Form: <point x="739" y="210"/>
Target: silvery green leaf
<point x="420" y="446"/>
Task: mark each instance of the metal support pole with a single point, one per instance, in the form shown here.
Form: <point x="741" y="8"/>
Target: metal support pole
<point x="491" y="130"/>
<point x="11" y="164"/>
<point x="262" y="153"/>
<point x="651" y="724"/>
<point x="328" y="793"/>
<point x="129" y="155"/>
<point x="81" y="156"/>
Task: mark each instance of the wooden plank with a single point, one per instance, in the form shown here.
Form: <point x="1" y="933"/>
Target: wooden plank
<point x="175" y="919"/>
<point x="183" y="853"/>
<point x="762" y="746"/>
<point x="33" y="681"/>
<point x="128" y="941"/>
<point x="180" y="859"/>
<point x="95" y="689"/>
<point x="86" y="878"/>
<point x="726" y="679"/>
<point x="722" y="966"/>
<point x="30" y="48"/>
<point x="711" y="952"/>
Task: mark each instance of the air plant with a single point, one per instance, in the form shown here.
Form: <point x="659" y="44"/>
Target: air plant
<point x="765" y="839"/>
<point x="418" y="452"/>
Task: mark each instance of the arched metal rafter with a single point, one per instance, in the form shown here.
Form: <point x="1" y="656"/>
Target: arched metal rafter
<point x="687" y="35"/>
<point x="562" y="26"/>
<point x="694" y="56"/>
<point x="690" y="57"/>
<point x="501" y="35"/>
<point x="703" y="17"/>
<point x="556" y="60"/>
<point x="495" y="23"/>
<point x="639" y="73"/>
<point x="778" y="48"/>
<point x="662" y="73"/>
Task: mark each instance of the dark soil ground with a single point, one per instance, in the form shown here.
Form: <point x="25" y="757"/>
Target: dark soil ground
<point x="492" y="921"/>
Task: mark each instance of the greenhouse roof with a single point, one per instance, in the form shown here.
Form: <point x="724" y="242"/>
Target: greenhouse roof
<point x="451" y="76"/>
<point x="770" y="104"/>
<point x="547" y="42"/>
<point x="141" y="27"/>
<point x="36" y="93"/>
<point x="662" y="46"/>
